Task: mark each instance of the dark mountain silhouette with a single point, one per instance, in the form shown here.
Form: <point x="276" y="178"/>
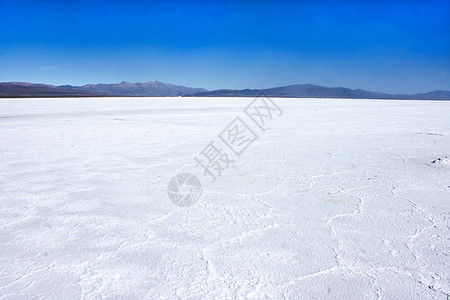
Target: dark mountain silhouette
<point x="315" y="91"/>
<point x="26" y="89"/>
<point x="125" y="88"/>
<point x="160" y="89"/>
<point x="152" y="88"/>
<point x="436" y="95"/>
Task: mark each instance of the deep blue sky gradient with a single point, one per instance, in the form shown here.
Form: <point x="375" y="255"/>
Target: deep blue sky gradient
<point x="388" y="46"/>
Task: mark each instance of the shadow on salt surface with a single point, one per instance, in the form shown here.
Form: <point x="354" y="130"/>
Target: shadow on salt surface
<point x="442" y="162"/>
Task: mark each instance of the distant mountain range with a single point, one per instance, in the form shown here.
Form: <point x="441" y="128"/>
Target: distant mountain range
<point x="152" y="88"/>
<point x="25" y="90"/>
<point x="161" y="89"/>
<point x="315" y="91"/>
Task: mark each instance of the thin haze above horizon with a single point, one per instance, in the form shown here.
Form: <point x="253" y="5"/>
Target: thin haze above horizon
<point x="386" y="46"/>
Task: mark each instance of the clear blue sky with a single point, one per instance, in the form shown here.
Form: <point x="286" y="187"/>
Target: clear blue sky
<point x="388" y="46"/>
